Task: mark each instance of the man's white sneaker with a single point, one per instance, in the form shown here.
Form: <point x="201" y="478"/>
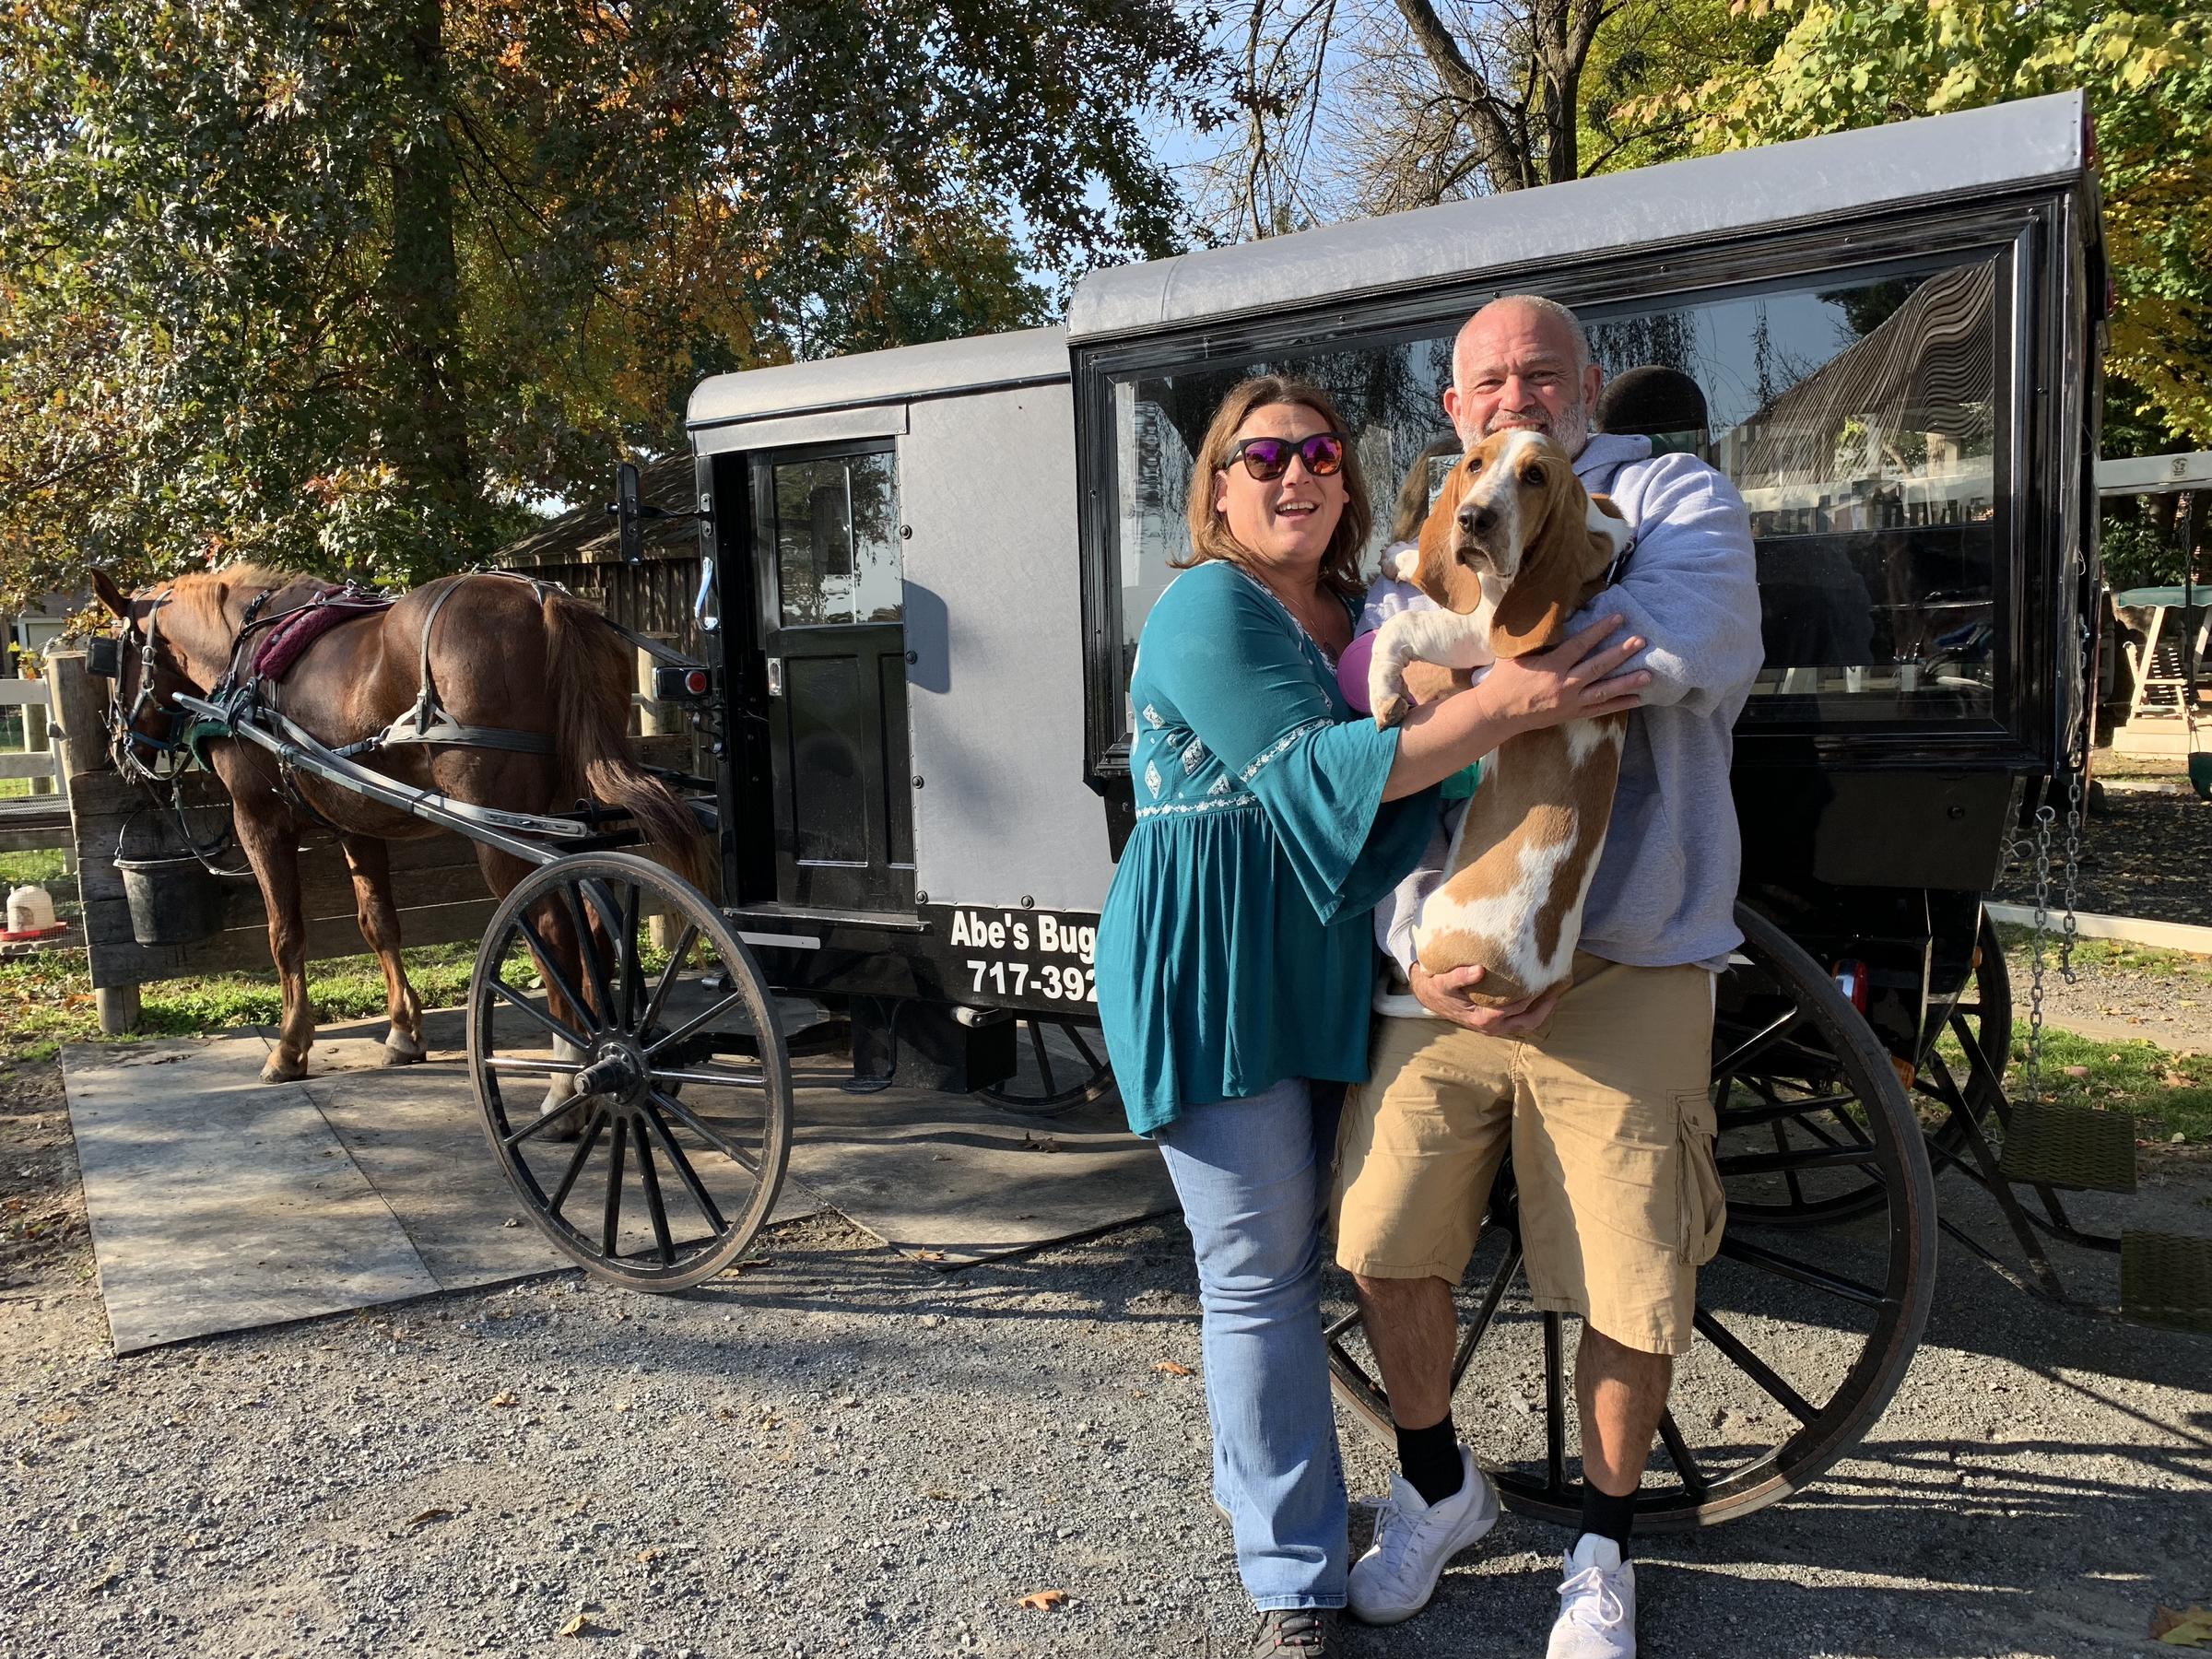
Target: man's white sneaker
<point x="1413" y="1540"/>
<point x="1597" y="1603"/>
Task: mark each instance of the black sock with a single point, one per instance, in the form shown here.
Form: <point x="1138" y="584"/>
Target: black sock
<point x="1429" y="1459"/>
<point x="1607" y="1516"/>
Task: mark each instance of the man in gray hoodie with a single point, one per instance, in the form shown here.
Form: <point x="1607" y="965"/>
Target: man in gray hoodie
<point x="1601" y="1090"/>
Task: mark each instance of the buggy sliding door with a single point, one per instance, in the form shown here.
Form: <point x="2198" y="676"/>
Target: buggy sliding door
<point x="826" y="556"/>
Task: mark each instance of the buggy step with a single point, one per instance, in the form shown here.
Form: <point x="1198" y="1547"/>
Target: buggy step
<point x="2077" y="1147"/>
<point x="2166" y="1279"/>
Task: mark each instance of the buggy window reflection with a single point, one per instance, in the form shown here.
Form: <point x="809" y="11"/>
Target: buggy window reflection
<point x="1857" y="416"/>
<point x="837" y="540"/>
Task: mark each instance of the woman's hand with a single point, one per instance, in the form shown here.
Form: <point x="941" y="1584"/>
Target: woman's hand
<point x="1446" y="995"/>
<point x="1574" y="680"/>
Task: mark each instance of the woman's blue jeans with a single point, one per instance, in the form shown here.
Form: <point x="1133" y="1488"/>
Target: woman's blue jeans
<point x="1253" y="1178"/>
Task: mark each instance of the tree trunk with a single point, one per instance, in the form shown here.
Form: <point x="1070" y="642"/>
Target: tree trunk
<point x="421" y="285"/>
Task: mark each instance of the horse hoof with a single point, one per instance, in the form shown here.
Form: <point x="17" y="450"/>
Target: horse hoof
<point x="403" y="1049"/>
<point x="280" y="1070"/>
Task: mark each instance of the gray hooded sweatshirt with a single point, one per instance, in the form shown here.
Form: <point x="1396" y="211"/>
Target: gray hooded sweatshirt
<point x="1665" y="891"/>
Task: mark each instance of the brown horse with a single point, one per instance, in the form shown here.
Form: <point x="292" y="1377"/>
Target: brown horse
<point x="504" y="654"/>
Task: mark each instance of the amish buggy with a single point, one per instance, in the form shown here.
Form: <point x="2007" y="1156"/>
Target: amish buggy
<point x="923" y="574"/>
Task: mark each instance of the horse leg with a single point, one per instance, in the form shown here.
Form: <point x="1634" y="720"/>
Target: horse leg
<point x="271" y="850"/>
<point x="502" y="872"/>
<point x="370" y="859"/>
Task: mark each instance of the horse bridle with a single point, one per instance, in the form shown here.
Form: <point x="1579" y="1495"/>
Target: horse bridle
<point x="130" y="747"/>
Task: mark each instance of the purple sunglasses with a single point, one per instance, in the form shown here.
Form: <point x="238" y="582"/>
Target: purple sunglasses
<point x="1269" y="458"/>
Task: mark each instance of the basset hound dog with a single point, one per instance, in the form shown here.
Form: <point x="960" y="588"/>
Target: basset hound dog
<point x="1512" y="548"/>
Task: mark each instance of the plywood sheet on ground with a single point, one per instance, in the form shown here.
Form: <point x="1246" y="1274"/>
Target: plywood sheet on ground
<point x="219" y="1203"/>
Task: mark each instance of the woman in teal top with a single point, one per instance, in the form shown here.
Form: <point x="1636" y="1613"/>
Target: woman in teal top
<point x="1235" y="953"/>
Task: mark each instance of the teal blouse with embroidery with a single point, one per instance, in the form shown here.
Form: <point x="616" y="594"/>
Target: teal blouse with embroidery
<point x="1236" y="948"/>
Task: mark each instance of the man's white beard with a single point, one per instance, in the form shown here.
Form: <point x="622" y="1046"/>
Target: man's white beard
<point x="1569" y="429"/>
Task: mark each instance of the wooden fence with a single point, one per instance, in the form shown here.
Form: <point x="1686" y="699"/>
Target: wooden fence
<point x="39" y="817"/>
<point x="436" y="880"/>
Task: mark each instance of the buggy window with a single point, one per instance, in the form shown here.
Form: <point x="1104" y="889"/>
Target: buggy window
<point x="837" y="540"/>
<point x="1859" y="414"/>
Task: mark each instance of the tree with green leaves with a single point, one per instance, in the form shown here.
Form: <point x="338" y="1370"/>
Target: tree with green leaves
<point x="345" y="284"/>
<point x="1354" y="107"/>
<point x="2145" y="70"/>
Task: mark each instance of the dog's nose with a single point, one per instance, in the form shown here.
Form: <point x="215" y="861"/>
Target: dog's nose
<point x="1476" y="521"/>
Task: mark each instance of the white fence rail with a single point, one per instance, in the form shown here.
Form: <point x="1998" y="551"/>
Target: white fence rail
<point x="38" y="761"/>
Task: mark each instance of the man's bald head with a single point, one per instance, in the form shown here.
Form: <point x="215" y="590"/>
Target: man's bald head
<point x="1523" y="362"/>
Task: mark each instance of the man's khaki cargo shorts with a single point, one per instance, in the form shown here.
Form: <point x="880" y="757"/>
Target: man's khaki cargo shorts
<point x="1612" y="1130"/>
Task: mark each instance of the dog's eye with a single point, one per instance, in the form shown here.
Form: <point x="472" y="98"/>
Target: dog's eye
<point x="1473" y="464"/>
<point x="1534" y="477"/>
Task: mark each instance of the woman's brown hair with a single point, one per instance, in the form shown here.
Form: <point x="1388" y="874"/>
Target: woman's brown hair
<point x="1209" y="532"/>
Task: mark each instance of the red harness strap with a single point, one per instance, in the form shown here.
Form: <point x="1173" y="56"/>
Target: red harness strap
<point x="285" y="642"/>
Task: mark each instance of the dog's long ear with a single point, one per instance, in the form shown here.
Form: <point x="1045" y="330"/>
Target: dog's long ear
<point x="1433" y="570"/>
<point x="114" y="597"/>
<point x="1609" y="532"/>
<point x="1547" y="588"/>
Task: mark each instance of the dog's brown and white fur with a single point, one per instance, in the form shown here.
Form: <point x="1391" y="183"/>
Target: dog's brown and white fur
<point x="1512" y="548"/>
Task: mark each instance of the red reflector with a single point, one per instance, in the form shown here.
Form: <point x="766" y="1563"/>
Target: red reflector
<point x="695" y="682"/>
<point x="1851" y="979"/>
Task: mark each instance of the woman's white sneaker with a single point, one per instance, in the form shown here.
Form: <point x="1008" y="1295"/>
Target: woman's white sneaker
<point x="1597" y="1603"/>
<point x="1414" y="1540"/>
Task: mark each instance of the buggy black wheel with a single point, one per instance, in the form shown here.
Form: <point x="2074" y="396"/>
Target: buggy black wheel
<point x="660" y="1167"/>
<point x="1059" y="1065"/>
<point x="1797" y="1353"/>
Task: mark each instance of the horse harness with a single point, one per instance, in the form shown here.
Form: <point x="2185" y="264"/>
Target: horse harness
<point x="246" y="690"/>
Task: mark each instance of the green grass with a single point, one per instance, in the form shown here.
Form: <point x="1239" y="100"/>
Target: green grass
<point x="44" y="867"/>
<point x="47" y="1000"/>
<point x="2105" y="955"/>
<point x="2169" y="1092"/>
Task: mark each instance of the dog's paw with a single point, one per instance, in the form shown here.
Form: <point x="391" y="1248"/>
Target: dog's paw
<point x="1390" y="708"/>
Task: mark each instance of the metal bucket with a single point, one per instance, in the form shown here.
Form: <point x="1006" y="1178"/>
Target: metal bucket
<point x="173" y="900"/>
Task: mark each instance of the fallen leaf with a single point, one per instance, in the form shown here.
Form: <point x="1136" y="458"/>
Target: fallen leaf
<point x="578" y="1626"/>
<point x="1044" y="1601"/>
<point x="939" y="1493"/>
<point x="929" y="1255"/>
<point x="2077" y="1071"/>
<point x="2190" y="1629"/>
<point x="55" y="1419"/>
<point x="429" y="1515"/>
<point x="1173" y="1368"/>
<point x="506" y="1397"/>
<point x="650" y="1554"/>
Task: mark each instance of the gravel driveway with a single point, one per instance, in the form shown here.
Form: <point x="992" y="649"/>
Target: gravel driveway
<point x="844" y="1451"/>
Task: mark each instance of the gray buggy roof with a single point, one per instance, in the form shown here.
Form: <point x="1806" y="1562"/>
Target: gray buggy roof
<point x="2034" y="141"/>
<point x="937" y="370"/>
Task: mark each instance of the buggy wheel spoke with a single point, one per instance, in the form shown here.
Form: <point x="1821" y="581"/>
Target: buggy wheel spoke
<point x="714" y="1138"/>
<point x="697" y="1022"/>
<point x="1682" y="1457"/>
<point x="684" y="941"/>
<point x="1075" y="1035"/>
<point x="591" y="1130"/>
<point x="1485" y="1311"/>
<point x="1765" y="1037"/>
<point x="578" y="907"/>
<point x="540" y="1123"/>
<point x="1802" y="1273"/>
<point x="686" y="1174"/>
<point x="648" y="1178"/>
<point x="610" y="1225"/>
<point x="532" y="1066"/>
<point x="549" y="970"/>
<point x="626" y="957"/>
<point x="515" y="999"/>
<point x="1775" y="1163"/>
<point x="1782" y="1145"/>
<point x="712" y="1079"/>
<point x="1555" y="1406"/>
<point x="1044" y="1060"/>
<point x="1753" y="1367"/>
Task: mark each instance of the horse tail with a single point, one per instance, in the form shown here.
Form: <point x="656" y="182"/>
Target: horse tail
<point x="592" y="676"/>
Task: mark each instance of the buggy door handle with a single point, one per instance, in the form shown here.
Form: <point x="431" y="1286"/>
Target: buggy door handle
<point x="775" y="677"/>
